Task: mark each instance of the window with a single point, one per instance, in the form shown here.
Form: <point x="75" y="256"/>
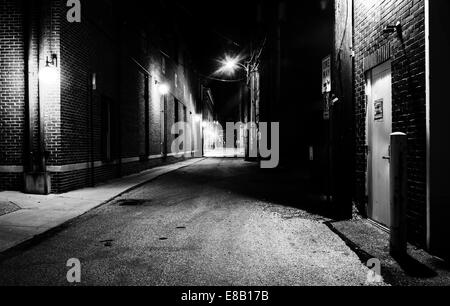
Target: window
<point x="177" y="114"/>
<point x="177" y="104"/>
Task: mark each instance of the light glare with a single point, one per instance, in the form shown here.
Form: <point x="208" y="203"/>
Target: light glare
<point x="229" y="65"/>
<point x="48" y="75"/>
<point x="163" y="89"/>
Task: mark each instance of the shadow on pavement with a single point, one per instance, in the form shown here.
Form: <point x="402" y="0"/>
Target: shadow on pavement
<point x="281" y="186"/>
<point x="413" y="267"/>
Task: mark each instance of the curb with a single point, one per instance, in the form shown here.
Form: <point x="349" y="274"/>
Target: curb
<point x="36" y="239"/>
<point x="363" y="256"/>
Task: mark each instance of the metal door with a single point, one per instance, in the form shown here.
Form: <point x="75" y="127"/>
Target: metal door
<point x="380" y="129"/>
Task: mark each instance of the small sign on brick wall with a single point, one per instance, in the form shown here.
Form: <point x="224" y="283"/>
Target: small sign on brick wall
<point x="379" y="110"/>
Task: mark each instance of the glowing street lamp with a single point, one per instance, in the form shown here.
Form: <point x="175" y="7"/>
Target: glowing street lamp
<point x="230" y="64"/>
<point x="163" y="89"/>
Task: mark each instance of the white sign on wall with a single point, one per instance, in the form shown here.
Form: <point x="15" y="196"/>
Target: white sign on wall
<point x="326" y="75"/>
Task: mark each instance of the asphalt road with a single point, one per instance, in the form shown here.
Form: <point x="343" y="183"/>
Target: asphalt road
<point x="218" y="222"/>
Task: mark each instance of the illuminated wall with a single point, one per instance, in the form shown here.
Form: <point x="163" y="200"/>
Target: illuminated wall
<point x="372" y="47"/>
<point x="112" y="62"/>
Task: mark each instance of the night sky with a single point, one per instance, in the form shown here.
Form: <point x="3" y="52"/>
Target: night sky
<point x="213" y="29"/>
<point x="216" y="27"/>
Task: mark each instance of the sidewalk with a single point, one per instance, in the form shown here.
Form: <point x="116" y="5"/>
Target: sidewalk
<point x="26" y="216"/>
<point x="224" y="153"/>
<point x="418" y="269"/>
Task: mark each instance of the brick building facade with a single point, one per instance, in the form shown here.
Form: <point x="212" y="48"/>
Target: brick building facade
<point x="406" y="53"/>
<point x="102" y="116"/>
<point x="286" y="82"/>
<point x="392" y="54"/>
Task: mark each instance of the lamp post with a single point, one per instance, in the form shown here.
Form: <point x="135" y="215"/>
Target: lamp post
<point x="230" y="65"/>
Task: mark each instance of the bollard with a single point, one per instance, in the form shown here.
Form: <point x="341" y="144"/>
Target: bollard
<point x="399" y="194"/>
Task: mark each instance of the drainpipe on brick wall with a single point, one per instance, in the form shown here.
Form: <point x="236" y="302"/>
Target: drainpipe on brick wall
<point x="120" y="27"/>
<point x="37" y="180"/>
<point x="29" y="121"/>
<point x="42" y="163"/>
<point x="91" y="130"/>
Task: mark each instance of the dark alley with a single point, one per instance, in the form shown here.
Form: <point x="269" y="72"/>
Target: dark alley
<point x="224" y="226"/>
<point x="225" y="143"/>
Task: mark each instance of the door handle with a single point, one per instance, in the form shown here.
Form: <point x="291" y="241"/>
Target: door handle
<point x="389" y="156"/>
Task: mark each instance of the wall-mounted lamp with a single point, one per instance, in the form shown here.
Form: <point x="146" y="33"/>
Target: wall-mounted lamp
<point x="393" y="28"/>
<point x="52" y="61"/>
<point x="163" y="88"/>
<point x="334" y="100"/>
<point x="49" y="73"/>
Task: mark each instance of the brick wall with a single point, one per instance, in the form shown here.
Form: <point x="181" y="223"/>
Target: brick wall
<point x="408" y="90"/>
<point x="50" y="92"/>
<point x="124" y="53"/>
<point x="75" y="70"/>
<point x="12" y="89"/>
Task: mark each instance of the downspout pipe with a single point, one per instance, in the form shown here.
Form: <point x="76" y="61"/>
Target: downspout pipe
<point x="27" y="6"/>
<point x="42" y="158"/>
<point x="37" y="180"/>
<point x="91" y="129"/>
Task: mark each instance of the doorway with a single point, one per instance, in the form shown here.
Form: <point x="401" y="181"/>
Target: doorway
<point x="163" y="128"/>
<point x="379" y="116"/>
